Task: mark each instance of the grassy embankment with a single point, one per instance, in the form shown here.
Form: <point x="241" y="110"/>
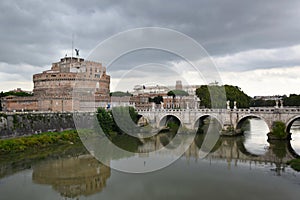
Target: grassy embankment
<point x="21" y="153"/>
<point x="45" y="144"/>
<point x="37" y="142"/>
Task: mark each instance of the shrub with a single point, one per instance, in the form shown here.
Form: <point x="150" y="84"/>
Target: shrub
<point x="14" y="145"/>
<point x="278" y="130"/>
<point x="295" y="164"/>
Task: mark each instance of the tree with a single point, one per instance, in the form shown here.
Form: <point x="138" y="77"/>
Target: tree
<point x="221" y="94"/>
<point x="278" y="130"/>
<point x="234" y="93"/>
<point x="19" y="94"/>
<point x="171" y="93"/>
<point x="156" y="100"/>
<point x="203" y="95"/>
<point x="125" y="119"/>
<point x="105" y="120"/>
<point x="262" y="103"/>
<point x="177" y="93"/>
<point x="292" y="100"/>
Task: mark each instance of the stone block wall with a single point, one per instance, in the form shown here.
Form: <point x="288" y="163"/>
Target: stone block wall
<point x="15" y="125"/>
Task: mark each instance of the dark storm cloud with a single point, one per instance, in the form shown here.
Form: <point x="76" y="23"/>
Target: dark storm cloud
<point x="40" y="32"/>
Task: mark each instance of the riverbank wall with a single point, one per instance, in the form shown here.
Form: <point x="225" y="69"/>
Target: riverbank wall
<point x="21" y="124"/>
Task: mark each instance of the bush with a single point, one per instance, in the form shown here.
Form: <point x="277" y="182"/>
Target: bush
<point x="278" y="130"/>
<point x="295" y="164"/>
<point x="15" y="145"/>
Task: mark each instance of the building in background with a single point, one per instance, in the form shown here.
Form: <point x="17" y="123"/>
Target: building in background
<point x="72" y="84"/>
<point x="178" y="85"/>
<point x="117" y="101"/>
<point x="143" y="97"/>
<point x="159" y="89"/>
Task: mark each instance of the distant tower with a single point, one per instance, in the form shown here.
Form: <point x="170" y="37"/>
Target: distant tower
<point x="178" y="85"/>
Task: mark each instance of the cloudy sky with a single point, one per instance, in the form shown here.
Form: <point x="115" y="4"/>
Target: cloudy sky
<point x="254" y="44"/>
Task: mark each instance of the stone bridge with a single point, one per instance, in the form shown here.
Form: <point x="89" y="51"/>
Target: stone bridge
<point x="229" y="119"/>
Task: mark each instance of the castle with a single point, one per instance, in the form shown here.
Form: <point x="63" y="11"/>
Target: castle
<point x="72" y="84"/>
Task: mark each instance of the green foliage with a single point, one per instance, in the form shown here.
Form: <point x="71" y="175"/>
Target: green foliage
<point x="295" y="164"/>
<point x="203" y="95"/>
<point x="234" y="93"/>
<point x="133" y="114"/>
<point x="105" y="120"/>
<point x="177" y="93"/>
<point x="156" y="100"/>
<point x="217" y="94"/>
<point x="19" y="94"/>
<point x="120" y="94"/>
<point x="119" y="119"/>
<point x="3" y="115"/>
<point x="171" y="93"/>
<point x="292" y="100"/>
<point x="43" y="140"/>
<point x="125" y="119"/>
<point x="278" y="130"/>
<point x="124" y="112"/>
<point x="173" y="126"/>
<point x="199" y="139"/>
<point x="15" y="119"/>
<point x="126" y="142"/>
<point x="279" y="148"/>
<point x="262" y="103"/>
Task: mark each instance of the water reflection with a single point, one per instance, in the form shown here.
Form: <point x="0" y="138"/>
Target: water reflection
<point x="73" y="177"/>
<point x="295" y="135"/>
<point x="255" y="133"/>
<point x="83" y="177"/>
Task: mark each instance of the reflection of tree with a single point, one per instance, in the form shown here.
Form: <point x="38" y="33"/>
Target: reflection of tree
<point x="244" y="125"/>
<point x="199" y="143"/>
<point x="73" y="177"/>
<point x="207" y="123"/>
<point x="279" y="148"/>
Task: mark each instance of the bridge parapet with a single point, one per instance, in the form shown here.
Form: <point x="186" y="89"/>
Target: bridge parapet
<point x="229" y="118"/>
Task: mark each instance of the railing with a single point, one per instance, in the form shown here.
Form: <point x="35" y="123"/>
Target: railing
<point x="242" y="110"/>
<point x="204" y="110"/>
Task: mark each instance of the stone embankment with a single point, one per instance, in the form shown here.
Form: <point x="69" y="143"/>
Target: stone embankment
<point x="20" y="124"/>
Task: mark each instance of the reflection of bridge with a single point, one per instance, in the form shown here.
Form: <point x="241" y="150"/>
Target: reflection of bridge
<point x="229" y="149"/>
<point x="229" y="119"/>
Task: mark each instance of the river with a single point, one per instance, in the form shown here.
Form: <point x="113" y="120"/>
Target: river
<point x="244" y="167"/>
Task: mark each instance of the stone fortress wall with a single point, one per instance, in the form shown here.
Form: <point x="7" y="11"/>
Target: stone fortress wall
<point x="54" y="88"/>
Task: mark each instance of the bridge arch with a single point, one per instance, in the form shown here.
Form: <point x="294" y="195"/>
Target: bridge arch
<point x="292" y="151"/>
<point x="251" y="116"/>
<point x="290" y="122"/>
<point x="164" y="119"/>
<point x="200" y="118"/>
<point x="142" y="120"/>
<point x="242" y="148"/>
